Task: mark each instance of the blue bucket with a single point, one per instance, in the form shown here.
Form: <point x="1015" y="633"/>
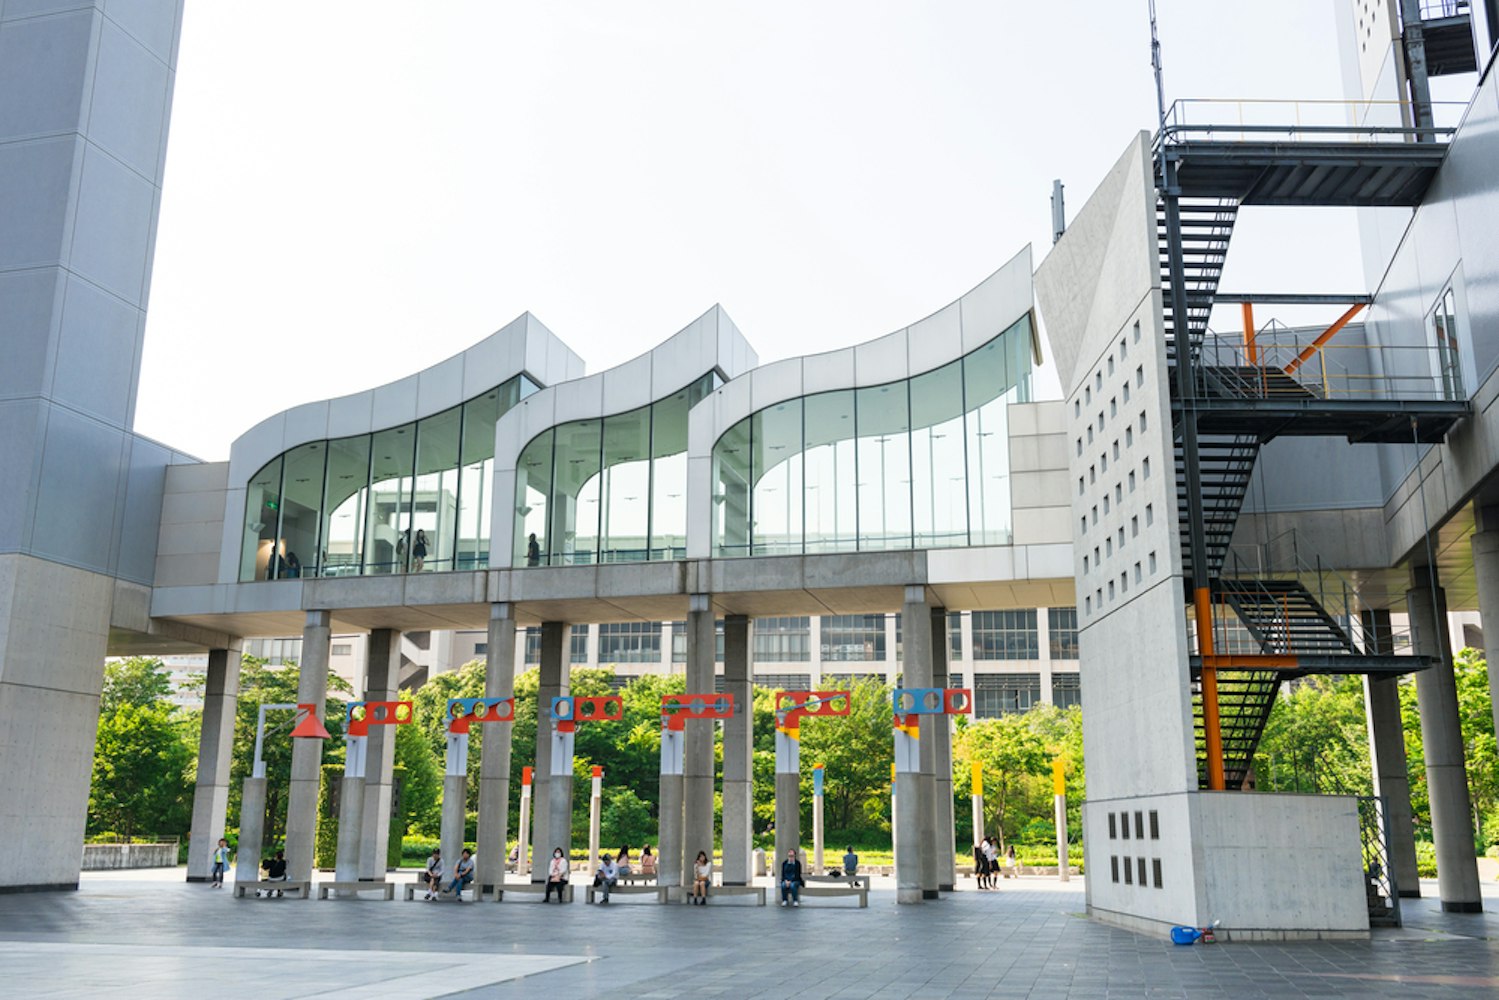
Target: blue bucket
<point x="1185" y="935"/>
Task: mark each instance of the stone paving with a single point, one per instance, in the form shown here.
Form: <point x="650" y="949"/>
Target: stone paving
<point x="149" y="934"/>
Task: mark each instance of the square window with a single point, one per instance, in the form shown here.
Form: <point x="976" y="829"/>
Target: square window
<point x="1098" y="381"/>
<point x="1118" y="493"/>
<point x="1080" y="486"/>
<point x="1129" y="437"/>
<point x="1079" y="446"/>
<point x="1116" y="449"/>
<point x="1137" y="331"/>
<point x="1105" y="504"/>
<point x="1100" y="421"/>
<point x="1087" y="605"/>
<point x="1137" y="572"/>
<point x="1132" y="482"/>
<point x="1123" y="584"/>
<point x="1145" y="468"/>
<point x="1111" y="590"/>
<point x="1103" y="462"/>
<point x="1113" y="830"/>
<point x="1121" y="538"/>
<point x="1108" y="545"/>
<point x="1134" y="527"/>
<point x="1092" y="474"/>
<point x="1084" y="520"/>
<point x="1088" y="394"/>
<point x="1143" y="423"/>
<point x="1090" y="433"/>
<point x="1111" y="364"/>
<point x="1085" y="565"/>
<point x="1077" y="408"/>
<point x="1123" y="350"/>
<point x="1129" y="873"/>
<point x="1126" y="392"/>
<point x="1113" y="408"/>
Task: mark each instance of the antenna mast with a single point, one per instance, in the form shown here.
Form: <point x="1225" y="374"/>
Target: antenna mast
<point x="1155" y="62"/>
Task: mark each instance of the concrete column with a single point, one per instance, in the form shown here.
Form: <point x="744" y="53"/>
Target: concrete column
<point x="738" y="755"/>
<point x="553" y="684"/>
<point x="788" y="800"/>
<point x="560" y="795"/>
<point x="492" y="850"/>
<point x="669" y="842"/>
<point x="307" y="754"/>
<point x="916" y="624"/>
<point x="454" y="816"/>
<point x="251" y="830"/>
<point x="215" y="750"/>
<point x="697" y="746"/>
<point x="1486" y="569"/>
<point x="947" y="862"/>
<point x="1442" y="740"/>
<point x="1387" y="757"/>
<point x="350" y="823"/>
<point x="382" y="673"/>
<point x="906" y="823"/>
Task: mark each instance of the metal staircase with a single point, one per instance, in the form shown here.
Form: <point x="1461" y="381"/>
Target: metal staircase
<point x="1245" y="698"/>
<point x="1226" y="464"/>
<point x="1206" y="226"/>
<point x="1284" y="617"/>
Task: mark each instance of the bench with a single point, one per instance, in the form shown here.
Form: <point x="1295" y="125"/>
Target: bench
<point x="634" y="877"/>
<point x="758" y="891"/>
<point x="538" y="888"/>
<point x="852" y="881"/>
<point x="621" y="889"/>
<point x="862" y="891"/>
<point x="410" y="889"/>
<point x="303" y="889"/>
<point x="353" y="889"/>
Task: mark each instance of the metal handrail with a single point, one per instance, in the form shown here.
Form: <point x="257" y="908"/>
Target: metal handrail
<point x="1410" y="372"/>
<point x="1312" y="119"/>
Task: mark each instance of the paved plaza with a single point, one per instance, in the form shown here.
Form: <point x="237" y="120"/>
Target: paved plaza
<point x="148" y="934"/>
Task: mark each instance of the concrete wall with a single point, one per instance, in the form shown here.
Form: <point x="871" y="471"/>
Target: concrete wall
<point x="114" y="857"/>
<point x="192" y="524"/>
<point x="1039" y="500"/>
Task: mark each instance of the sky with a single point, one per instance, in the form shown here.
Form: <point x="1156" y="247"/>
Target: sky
<point x="357" y="189"/>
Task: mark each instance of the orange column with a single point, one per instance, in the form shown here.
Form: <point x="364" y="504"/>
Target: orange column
<point x="1211" y="728"/>
<point x="1249" y="349"/>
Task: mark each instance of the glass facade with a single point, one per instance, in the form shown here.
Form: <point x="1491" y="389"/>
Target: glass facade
<point x="408" y="499"/>
<point x="853" y="638"/>
<point x="630" y="642"/>
<point x="920" y="463"/>
<point x="608" y="490"/>
<point x="1006" y="635"/>
<point x="1066" y="690"/>
<point x="1004" y="694"/>
<point x="781" y="640"/>
<point x="1061" y="623"/>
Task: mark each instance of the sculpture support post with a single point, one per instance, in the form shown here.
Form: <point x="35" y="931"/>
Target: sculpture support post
<point x="669" y="842"/>
<point x="523" y="852"/>
<point x="351" y="810"/>
<point x="595" y="803"/>
<point x="1059" y="804"/>
<point x="454" y="799"/>
<point x="788" y="795"/>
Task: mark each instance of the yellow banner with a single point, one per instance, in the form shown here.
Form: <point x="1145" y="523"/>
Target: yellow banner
<point x="978" y="778"/>
<point x="1059" y="777"/>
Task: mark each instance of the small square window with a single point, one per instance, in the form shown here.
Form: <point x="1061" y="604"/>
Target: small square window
<point x="1106" y="504"/>
<point x="1088" y="394"/>
<point x="1134" y="527"/>
<point x="1132" y="482"/>
<point x="1155" y="864"/>
<point x="1077" y="408"/>
<point x="1113" y="408"/>
<point x="1124" y="825"/>
<point x="1118" y="493"/>
<point x="1113" y="829"/>
<point x="1087" y="605"/>
<point x="1114" y="866"/>
<point x="1129" y="437"/>
<point x="1108" y="544"/>
<point x="1149" y="515"/>
<point x="1145" y="468"/>
<point x="1155" y="827"/>
<point x="1116" y="449"/>
<point x="1085" y="565"/>
<point x="1079" y="446"/>
<point x="1098" y="381"/>
<point x="1111" y="364"/>
<point x="1137" y="572"/>
<point x="1123" y="584"/>
<point x="1121" y="538"/>
<point x="1103" y="462"/>
<point x="1129" y="873"/>
<point x="1090" y="433"/>
<point x="1137" y="332"/>
<point x="1143" y="423"/>
<point x="1081" y="487"/>
<point x="1084" y="520"/>
<point x="1123" y="350"/>
<point x="1126" y="392"/>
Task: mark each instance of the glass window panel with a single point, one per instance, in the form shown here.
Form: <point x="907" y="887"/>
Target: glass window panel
<point x="1066" y="690"/>
<point x="301" y="500"/>
<point x="731" y="490"/>
<point x="578" y="643"/>
<point x="434" y="519"/>
<point x="669" y="474"/>
<point x="626" y="486"/>
<point x="475" y="504"/>
<point x="1061" y="624"/>
<point x="955" y="637"/>
<point x="629" y="642"/>
<point x="829" y="471"/>
<point x="776" y="503"/>
<point x="533" y="489"/>
<point x="574" y="536"/>
<point x="533" y="645"/>
<point x="987" y="393"/>
<point x="884" y="464"/>
<point x="387" y="538"/>
<point x="1004" y="694"/>
<point x="939" y="497"/>
<point x="1006" y="635"/>
<point x="258" y="552"/>
<point x="344" y="499"/>
<point x="853" y="638"/>
<point x="781" y="640"/>
<point x="679" y="641"/>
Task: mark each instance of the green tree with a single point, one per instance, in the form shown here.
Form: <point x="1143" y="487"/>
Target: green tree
<point x="137" y="680"/>
<point x="1010" y="750"/>
<point x="421" y="791"/>
<point x="142" y="780"/>
<point x="856" y="753"/>
<point x="1316" y="739"/>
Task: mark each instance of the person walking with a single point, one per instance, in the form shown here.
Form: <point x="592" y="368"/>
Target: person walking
<point x="981" y="865"/>
<point x="991" y="855"/>
<point x="791" y="879"/>
<point x="221" y="856"/>
<point x="702" y="876"/>
<point x="1010" y="862"/>
<point x="419" y="551"/>
<point x="557" y="872"/>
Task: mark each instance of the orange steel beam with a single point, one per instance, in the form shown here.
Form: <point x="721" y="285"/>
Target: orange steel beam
<point x="1212" y="729"/>
<point x="1249" y="348"/>
<point x="1326" y="335"/>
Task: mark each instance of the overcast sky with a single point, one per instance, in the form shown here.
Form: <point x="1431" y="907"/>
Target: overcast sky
<point x="358" y="189"/>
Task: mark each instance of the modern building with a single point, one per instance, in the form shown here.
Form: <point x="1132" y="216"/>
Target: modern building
<point x="1204" y="514"/>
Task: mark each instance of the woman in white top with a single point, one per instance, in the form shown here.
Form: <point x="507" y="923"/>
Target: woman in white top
<point x="557" y="873"/>
<point x="702" y="874"/>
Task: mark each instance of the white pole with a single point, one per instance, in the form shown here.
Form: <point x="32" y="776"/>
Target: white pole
<point x="595" y="801"/>
<point x="1059" y="801"/>
<point x="817" y="819"/>
<point x="523" y="855"/>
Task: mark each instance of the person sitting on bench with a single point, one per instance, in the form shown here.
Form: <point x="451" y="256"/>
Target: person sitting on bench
<point x="463" y="874"/>
<point x="557" y="872"/>
<point x="647" y="862"/>
<point x="791" y="879"/>
<point x="606" y="876"/>
<point x="433" y="875"/>
<point x="850" y="865"/>
<point x="702" y="876"/>
<point x="275" y="871"/>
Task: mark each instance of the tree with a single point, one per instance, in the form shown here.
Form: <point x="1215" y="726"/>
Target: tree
<point x="137" y="680"/>
<point x="856" y="753"/>
<point x="1316" y="739"/>
<point x="142" y="781"/>
<point x="1010" y="750"/>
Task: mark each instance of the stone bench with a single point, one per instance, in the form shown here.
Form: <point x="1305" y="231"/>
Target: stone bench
<point x="410" y="889"/>
<point x="637" y="877"/>
<point x="851" y="881"/>
<point x="862" y="891"/>
<point x="353" y="889"/>
<point x="302" y="889"/>
<point x="758" y="891"/>
<point x="621" y="889"/>
<point x="538" y="888"/>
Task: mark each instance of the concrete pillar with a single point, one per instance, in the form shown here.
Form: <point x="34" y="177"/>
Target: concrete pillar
<point x="307" y="754"/>
<point x="738" y="755"/>
<point x="553" y="684"/>
<point x="1486" y="569"/>
<point x="906" y="818"/>
<point x="1387" y="757"/>
<point x="215" y="750"/>
<point x="454" y="817"/>
<point x="697" y="746"/>
<point x="350" y="827"/>
<point x="492" y="850"/>
<point x="916" y="623"/>
<point x="947" y="862"/>
<point x="251" y="830"/>
<point x="788" y="806"/>
<point x="382" y="673"/>
<point x="560" y="795"/>
<point x="669" y="842"/>
<point x="1442" y="740"/>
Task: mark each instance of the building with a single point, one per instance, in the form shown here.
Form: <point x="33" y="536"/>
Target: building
<point x="1219" y="511"/>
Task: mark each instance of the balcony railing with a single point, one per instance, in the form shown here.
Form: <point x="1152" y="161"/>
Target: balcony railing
<point x="1288" y="364"/>
<point x="1227" y="120"/>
